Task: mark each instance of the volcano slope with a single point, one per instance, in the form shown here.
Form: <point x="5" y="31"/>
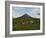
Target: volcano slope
<point x="25" y="22"/>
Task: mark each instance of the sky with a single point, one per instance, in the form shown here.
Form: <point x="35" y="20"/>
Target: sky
<point x="20" y="11"/>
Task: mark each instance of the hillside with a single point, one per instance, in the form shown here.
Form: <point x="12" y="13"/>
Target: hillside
<point x="26" y="22"/>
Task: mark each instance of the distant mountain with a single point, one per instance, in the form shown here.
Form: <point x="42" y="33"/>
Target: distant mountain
<point x="25" y="16"/>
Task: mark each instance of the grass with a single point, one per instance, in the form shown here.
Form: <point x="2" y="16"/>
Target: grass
<point x="26" y="24"/>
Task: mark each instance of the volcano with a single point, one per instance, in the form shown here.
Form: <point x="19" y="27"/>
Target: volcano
<point x="25" y="16"/>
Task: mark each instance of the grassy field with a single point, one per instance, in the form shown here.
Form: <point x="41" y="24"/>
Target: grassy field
<point x="20" y="24"/>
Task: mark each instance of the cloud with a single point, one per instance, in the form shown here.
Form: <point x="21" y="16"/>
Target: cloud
<point x="33" y="12"/>
<point x="19" y="11"/>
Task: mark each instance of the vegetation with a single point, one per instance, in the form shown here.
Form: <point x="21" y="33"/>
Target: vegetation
<point x="26" y="24"/>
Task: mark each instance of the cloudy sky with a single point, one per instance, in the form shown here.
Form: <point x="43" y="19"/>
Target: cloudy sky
<point x="19" y="11"/>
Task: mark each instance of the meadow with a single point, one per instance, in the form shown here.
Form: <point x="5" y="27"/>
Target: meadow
<point x="20" y="24"/>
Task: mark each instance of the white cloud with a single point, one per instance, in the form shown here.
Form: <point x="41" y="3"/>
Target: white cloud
<point x="34" y="13"/>
<point x="17" y="12"/>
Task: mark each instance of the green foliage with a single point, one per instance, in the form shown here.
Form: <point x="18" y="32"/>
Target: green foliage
<point x="26" y="24"/>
